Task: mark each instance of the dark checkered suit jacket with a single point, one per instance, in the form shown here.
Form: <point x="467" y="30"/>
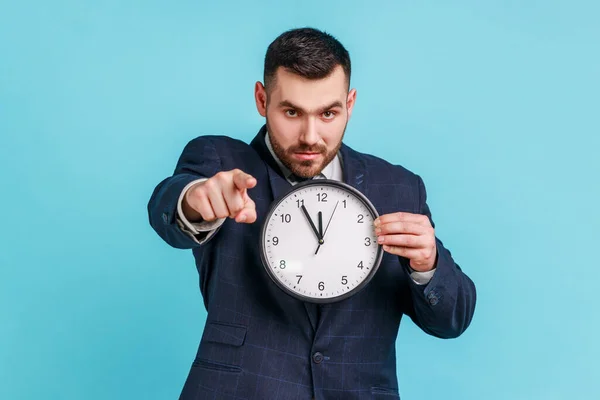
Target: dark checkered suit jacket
<point x="260" y="343"/>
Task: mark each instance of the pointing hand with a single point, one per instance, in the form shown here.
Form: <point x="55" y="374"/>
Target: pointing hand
<point x="223" y="195"/>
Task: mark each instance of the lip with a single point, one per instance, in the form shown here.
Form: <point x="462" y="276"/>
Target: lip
<point x="306" y="156"/>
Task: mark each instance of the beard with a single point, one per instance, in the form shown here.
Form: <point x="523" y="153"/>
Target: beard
<point x="305" y="168"/>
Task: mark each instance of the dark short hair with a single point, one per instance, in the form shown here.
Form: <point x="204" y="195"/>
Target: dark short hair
<point x="307" y="52"/>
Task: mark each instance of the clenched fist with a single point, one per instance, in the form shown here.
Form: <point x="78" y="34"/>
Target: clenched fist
<point x="223" y="195"/>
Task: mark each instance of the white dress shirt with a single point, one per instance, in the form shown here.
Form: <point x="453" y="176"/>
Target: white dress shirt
<point x="333" y="171"/>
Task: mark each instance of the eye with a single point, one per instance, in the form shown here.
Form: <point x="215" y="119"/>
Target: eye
<point x="328" y="114"/>
<point x="291" y="113"/>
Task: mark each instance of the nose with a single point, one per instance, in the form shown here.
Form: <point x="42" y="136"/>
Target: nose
<point x="310" y="135"/>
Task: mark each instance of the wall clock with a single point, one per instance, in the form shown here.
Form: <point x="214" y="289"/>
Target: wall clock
<point x="318" y="241"/>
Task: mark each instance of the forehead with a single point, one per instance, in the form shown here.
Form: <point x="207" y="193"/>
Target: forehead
<point x="309" y="93"/>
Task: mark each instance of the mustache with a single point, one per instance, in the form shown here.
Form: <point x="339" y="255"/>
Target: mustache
<point x="308" y="149"/>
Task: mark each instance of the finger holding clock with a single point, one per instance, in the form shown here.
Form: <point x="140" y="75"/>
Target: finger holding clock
<point x="404" y="240"/>
<point x="402" y="217"/>
<point x="407" y="252"/>
<point x="411" y="228"/>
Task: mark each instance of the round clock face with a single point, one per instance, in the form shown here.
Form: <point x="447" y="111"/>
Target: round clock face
<point x="318" y="241"/>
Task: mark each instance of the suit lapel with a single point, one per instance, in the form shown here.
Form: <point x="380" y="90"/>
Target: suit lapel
<point x="354" y="169"/>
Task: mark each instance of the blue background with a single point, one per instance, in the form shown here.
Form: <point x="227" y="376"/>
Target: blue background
<point x="495" y="105"/>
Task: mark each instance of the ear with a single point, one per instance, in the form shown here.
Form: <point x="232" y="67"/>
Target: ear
<point x="350" y="102"/>
<point x="260" y="96"/>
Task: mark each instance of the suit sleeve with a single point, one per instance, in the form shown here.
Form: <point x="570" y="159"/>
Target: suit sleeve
<point x="199" y="159"/>
<point x="444" y="307"/>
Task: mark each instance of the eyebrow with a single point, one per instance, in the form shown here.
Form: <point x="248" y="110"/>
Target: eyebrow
<point x="286" y="103"/>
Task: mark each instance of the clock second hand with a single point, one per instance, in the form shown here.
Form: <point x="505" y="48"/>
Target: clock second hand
<point x="327" y="227"/>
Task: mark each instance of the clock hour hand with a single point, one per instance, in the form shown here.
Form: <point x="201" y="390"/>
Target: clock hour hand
<point x="312" y="224"/>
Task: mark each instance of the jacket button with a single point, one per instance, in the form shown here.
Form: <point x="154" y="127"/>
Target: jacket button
<point x="317" y="358"/>
<point x="165" y="218"/>
<point x="433" y="297"/>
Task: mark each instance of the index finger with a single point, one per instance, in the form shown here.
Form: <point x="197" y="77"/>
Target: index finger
<point x="242" y="180"/>
<point x="400" y="217"/>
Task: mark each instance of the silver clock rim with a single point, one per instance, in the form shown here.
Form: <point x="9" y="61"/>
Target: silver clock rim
<point x="276" y="204"/>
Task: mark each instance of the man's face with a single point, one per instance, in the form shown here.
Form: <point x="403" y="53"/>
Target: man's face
<point x="306" y="119"/>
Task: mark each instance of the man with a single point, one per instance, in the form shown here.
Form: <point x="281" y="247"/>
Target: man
<point x="259" y="342"/>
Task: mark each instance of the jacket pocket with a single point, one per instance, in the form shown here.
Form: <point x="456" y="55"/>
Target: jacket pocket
<point x="221" y="348"/>
<point x="225" y="333"/>
<point x="206" y="364"/>
<point x="384" y="393"/>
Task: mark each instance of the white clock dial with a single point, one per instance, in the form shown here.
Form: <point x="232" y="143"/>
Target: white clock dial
<point x="327" y="260"/>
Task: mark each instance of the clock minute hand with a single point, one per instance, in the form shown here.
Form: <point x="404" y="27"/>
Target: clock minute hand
<point x="312" y="224"/>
